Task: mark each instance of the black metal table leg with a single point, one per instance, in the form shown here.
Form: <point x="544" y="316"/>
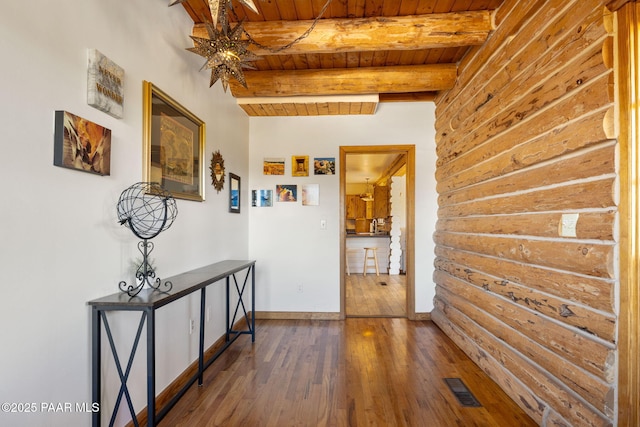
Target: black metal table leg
<point x="151" y="368"/>
<point x="124" y="375"/>
<point x="203" y="304"/>
<point x="228" y="330"/>
<point x="96" y="354"/>
<point x="253" y="303"/>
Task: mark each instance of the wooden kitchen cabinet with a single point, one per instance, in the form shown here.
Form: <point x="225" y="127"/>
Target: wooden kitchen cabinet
<point x="381" y="206"/>
<point x="356" y="207"/>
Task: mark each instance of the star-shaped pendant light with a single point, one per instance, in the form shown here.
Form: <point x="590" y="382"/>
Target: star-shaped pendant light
<point x="226" y="53"/>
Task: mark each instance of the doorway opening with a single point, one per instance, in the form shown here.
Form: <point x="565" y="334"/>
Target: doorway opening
<point x="384" y="282"/>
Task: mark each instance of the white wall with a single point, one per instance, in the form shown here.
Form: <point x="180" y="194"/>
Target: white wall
<point x="287" y="240"/>
<point x="60" y="245"/>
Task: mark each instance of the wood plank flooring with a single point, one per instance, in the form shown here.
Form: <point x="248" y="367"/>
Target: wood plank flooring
<point x="366" y="297"/>
<point x="357" y="372"/>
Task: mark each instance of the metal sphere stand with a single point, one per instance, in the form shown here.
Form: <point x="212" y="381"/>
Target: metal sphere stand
<point x="146" y="209"/>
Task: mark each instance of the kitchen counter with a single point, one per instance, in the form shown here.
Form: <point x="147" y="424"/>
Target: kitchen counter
<point x="383" y="234"/>
<point x="355" y="244"/>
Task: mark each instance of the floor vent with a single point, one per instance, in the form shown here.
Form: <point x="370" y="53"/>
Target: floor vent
<point x="462" y="393"/>
<point x="383" y="283"/>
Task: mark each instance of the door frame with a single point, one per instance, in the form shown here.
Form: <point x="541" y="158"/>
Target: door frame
<point x="627" y="64"/>
<point x="410" y="152"/>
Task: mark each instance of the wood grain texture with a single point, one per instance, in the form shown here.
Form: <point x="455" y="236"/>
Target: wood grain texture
<point x="629" y="94"/>
<point x="367" y="34"/>
<point x="591" y="259"/>
<point x="593" y="292"/>
<point x="346" y="81"/>
<point x="598" y="225"/>
<point x="552" y="394"/>
<point x="522" y="139"/>
<point x="378" y="372"/>
<point x="566" y="312"/>
<point x="355" y="34"/>
<point x="367" y="297"/>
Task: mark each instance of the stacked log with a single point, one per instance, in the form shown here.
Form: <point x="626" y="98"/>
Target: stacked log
<point x="524" y="141"/>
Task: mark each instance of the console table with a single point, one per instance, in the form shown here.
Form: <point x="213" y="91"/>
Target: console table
<point x="147" y="302"/>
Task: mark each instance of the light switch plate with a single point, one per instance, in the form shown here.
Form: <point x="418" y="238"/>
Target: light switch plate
<point x="568" y="225"/>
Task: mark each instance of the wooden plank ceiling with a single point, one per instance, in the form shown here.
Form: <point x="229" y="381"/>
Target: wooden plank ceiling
<point x="360" y="52"/>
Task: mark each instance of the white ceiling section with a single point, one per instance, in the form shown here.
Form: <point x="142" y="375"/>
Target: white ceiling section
<point x="359" y="167"/>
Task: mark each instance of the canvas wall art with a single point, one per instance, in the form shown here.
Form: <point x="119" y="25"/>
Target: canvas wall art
<point x="287" y="193"/>
<point x="262" y="198"/>
<point x="324" y="166"/>
<point x="105" y="84"/>
<point x="81" y="144"/>
<point x="273" y="166"/>
<point x="299" y="165"/>
<point x="310" y="194"/>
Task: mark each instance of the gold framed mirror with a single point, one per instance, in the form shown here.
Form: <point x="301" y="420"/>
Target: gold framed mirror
<point x="217" y="171"/>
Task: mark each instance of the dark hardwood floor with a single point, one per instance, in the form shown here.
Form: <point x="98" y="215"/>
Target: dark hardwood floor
<point x="366" y="296"/>
<point x="356" y="372"/>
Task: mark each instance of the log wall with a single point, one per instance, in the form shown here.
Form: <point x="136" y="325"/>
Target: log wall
<point x="521" y="140"/>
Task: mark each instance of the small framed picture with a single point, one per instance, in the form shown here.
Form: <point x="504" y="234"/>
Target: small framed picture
<point x="287" y="193"/>
<point x="273" y="166"/>
<point x="262" y="198"/>
<point x="310" y="194"/>
<point x="234" y="193"/>
<point x="324" y="166"/>
<point x="299" y="165"/>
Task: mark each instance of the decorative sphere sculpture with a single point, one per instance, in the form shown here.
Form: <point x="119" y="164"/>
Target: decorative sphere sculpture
<point x="146" y="209"/>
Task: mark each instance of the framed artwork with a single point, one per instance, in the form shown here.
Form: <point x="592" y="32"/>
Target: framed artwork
<point x="81" y="144"/>
<point x="324" y="166"/>
<point x="173" y="145"/>
<point x="299" y="165"/>
<point x="310" y="194"/>
<point x="234" y="193"/>
<point x="262" y="198"/>
<point x="287" y="193"/>
<point x="273" y="166"/>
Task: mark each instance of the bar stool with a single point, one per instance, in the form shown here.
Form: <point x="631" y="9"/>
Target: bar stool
<point x="367" y="257"/>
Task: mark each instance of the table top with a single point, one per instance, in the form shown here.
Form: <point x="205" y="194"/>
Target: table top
<point x="183" y="284"/>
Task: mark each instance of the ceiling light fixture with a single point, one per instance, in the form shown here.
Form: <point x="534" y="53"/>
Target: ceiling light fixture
<point x="367" y="197"/>
<point x="225" y="50"/>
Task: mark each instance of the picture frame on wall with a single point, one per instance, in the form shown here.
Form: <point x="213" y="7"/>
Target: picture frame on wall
<point x="262" y="198"/>
<point x="273" y="166"/>
<point x="324" y="166"/>
<point x="299" y="165"/>
<point x="310" y="194"/>
<point x="234" y="193"/>
<point x="81" y="144"/>
<point x="173" y="145"/>
<point x="287" y="193"/>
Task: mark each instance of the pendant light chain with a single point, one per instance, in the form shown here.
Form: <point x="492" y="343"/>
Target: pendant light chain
<point x="288" y="45"/>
